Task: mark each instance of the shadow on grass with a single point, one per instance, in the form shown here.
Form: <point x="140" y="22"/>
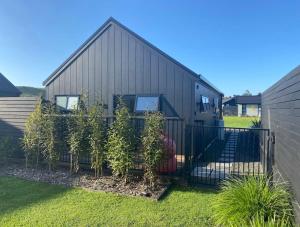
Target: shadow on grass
<point x="17" y="194"/>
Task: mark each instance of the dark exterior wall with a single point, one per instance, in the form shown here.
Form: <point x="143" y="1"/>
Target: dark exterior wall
<point x="118" y="63"/>
<point x="14" y="112"/>
<point x="281" y="113"/>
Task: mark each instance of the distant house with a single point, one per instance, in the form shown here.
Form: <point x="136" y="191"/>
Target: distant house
<point x="243" y="106"/>
<point x="7" y="89"/>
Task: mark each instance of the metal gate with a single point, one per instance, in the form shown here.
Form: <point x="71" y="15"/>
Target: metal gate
<point x="215" y="153"/>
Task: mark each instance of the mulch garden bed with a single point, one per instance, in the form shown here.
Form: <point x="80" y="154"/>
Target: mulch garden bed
<point x="85" y="179"/>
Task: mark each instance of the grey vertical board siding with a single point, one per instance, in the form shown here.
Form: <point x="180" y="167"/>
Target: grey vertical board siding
<point x="117" y="62"/>
<point x="146" y="71"/>
<point x="91" y="77"/>
<point x="124" y="64"/>
<point x="79" y="75"/>
<point x="104" y="71"/>
<point x="281" y="113"/>
<point x="162" y="76"/>
<point x="98" y="70"/>
<point x="154" y="72"/>
<point x="111" y="68"/>
<point x="131" y="65"/>
<point x="139" y="68"/>
<point x="14" y="112"/>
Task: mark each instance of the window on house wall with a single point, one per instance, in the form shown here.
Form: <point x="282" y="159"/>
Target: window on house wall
<point x="244" y="109"/>
<point x="64" y="102"/>
<point x="128" y="100"/>
<point x="147" y="103"/>
<point x="205" y="103"/>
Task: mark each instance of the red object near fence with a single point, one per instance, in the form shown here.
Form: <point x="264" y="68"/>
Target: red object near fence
<point x="168" y="164"/>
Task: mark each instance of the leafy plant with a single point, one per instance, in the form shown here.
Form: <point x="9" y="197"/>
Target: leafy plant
<point x="152" y="146"/>
<point x="256" y="123"/>
<point x="259" y="221"/>
<point x="120" y="143"/>
<point x="241" y="200"/>
<point x="32" y="139"/>
<point x="78" y="138"/>
<point x="50" y="141"/>
<point x="97" y="138"/>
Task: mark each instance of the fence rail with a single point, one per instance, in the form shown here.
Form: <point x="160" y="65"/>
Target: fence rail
<point x="173" y="161"/>
<point x="217" y="153"/>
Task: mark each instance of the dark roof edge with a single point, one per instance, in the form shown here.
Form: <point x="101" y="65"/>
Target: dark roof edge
<point x="105" y="26"/>
<point x="16" y="90"/>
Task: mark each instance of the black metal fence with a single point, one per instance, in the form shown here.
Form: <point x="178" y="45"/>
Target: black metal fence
<point x="215" y="153"/>
<point x="172" y="136"/>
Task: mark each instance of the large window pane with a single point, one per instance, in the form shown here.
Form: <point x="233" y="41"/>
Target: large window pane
<point x="147" y="103"/>
<point x="61" y="101"/>
<point x="72" y="103"/>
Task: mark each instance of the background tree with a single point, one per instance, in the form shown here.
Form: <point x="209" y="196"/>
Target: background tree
<point x="120" y="143"/>
<point x="97" y="138"/>
<point x="78" y="139"/>
<point x="247" y="93"/>
<point x="152" y="146"/>
<point x="32" y="139"/>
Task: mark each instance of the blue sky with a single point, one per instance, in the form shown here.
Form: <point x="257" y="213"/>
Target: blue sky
<point x="237" y="45"/>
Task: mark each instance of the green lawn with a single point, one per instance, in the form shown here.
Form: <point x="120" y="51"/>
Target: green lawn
<point x="24" y="203"/>
<point x="238" y="122"/>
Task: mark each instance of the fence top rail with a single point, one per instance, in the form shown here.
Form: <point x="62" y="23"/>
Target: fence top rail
<point x="225" y="127"/>
<point x="112" y="117"/>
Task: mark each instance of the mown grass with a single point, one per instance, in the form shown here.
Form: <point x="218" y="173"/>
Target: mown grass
<point x="25" y="203"/>
<point x="238" y="122"/>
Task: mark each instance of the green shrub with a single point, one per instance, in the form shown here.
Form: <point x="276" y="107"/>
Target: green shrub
<point x="8" y="147"/>
<point x="243" y="199"/>
<point x="256" y="123"/>
<point x="50" y="140"/>
<point x="97" y="138"/>
<point x="120" y="143"/>
<point x="152" y="146"/>
<point x="78" y="139"/>
<point x="32" y="139"/>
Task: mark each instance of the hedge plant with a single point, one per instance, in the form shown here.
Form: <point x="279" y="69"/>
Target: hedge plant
<point x="120" y="144"/>
<point x="97" y="138"/>
<point x="50" y="140"/>
<point x="78" y="138"/>
<point x="32" y="139"/>
<point x="152" y="146"/>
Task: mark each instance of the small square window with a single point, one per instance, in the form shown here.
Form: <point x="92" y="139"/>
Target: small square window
<point x="147" y="103"/>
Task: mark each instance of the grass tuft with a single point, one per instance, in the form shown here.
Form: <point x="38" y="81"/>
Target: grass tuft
<point x="250" y="200"/>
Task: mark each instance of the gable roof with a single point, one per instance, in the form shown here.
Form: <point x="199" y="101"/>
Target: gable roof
<point x="101" y="30"/>
<point x="243" y="99"/>
<point x="7" y="88"/>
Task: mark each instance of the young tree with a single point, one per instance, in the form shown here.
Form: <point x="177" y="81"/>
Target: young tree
<point x="152" y="146"/>
<point x="97" y="138"/>
<point x="120" y="143"/>
<point x="78" y="139"/>
<point x="49" y="138"/>
<point x="32" y="139"/>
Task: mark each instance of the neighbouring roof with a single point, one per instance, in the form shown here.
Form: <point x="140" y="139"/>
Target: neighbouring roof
<point x="7" y="88"/>
<point x="94" y="36"/>
<point x="253" y="99"/>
